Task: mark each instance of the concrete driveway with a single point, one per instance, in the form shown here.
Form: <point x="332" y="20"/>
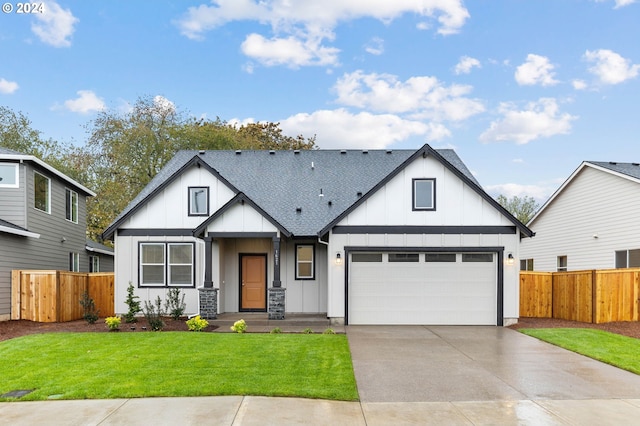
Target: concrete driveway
<point x="455" y="363"/>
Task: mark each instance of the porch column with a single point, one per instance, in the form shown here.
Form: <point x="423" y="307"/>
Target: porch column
<point x="208" y="261"/>
<point x="276" y="263"/>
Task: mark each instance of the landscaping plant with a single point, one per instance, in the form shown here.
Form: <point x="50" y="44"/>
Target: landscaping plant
<point x="307" y="331"/>
<point x="90" y="313"/>
<point x="113" y="323"/>
<point x="133" y="302"/>
<point x="239" y="326"/>
<point x="276" y="330"/>
<point x="197" y="324"/>
<point x="174" y="304"/>
<point x="329" y="331"/>
<point x="153" y="313"/>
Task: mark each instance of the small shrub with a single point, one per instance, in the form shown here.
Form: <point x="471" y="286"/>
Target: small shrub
<point x="153" y="313"/>
<point x="307" y="331"/>
<point x="133" y="303"/>
<point x="329" y="331"/>
<point x="113" y="323"/>
<point x="239" y="326"/>
<point x="174" y="304"/>
<point x="197" y="324"/>
<point x="276" y="330"/>
<point x="90" y="313"/>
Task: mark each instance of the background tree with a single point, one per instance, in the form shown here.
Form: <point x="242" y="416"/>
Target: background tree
<point x="522" y="208"/>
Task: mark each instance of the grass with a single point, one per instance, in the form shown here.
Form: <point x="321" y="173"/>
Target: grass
<point x="613" y="349"/>
<point x="131" y="365"/>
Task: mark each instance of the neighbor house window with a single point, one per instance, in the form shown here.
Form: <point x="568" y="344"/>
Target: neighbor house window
<point x="526" y="264"/>
<point x="166" y="264"/>
<point x="305" y="256"/>
<point x="42" y="192"/>
<point x="71" y="205"/>
<point x="628" y="258"/>
<point x="198" y="201"/>
<point x="424" y="194"/>
<point x="94" y="264"/>
<point x="74" y="262"/>
<point x="8" y="175"/>
<point x="562" y="263"/>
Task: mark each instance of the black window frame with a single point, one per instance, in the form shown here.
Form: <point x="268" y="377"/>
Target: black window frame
<point x="166" y="264"/>
<point x="313" y="262"/>
<point x="414" y="182"/>
<point x="190" y="192"/>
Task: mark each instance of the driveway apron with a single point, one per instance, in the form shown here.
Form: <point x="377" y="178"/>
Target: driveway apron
<point x="475" y="363"/>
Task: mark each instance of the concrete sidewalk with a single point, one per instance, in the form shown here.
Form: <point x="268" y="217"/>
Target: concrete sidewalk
<point x="238" y="410"/>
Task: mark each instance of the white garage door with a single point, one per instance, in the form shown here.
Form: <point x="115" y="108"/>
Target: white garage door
<point x="423" y="288"/>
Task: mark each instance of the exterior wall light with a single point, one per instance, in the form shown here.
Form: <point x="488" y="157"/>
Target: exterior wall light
<point x="338" y="259"/>
<point x="510" y="259"/>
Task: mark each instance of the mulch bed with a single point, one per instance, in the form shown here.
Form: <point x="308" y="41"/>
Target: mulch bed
<point x="11" y="329"/>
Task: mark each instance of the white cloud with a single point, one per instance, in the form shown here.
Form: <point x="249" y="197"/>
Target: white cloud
<point x="289" y="51"/>
<point x="86" y="103"/>
<point x="466" y="64"/>
<point x="303" y="26"/>
<point x="55" y="26"/>
<point x="540" y="119"/>
<point x="619" y="3"/>
<point x="421" y="97"/>
<point x="536" y="70"/>
<point x="610" y="67"/>
<point x="579" y="84"/>
<point x="342" y="129"/>
<point x="375" y="46"/>
<point x="8" y="87"/>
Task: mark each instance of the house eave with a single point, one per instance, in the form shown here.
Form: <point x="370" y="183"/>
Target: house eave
<point x="20" y="232"/>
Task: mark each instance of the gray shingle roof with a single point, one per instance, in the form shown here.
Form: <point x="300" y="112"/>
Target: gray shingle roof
<point x="280" y="182"/>
<point x="629" y="169"/>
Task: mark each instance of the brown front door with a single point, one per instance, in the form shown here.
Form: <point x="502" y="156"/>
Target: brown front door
<point x="253" y="282"/>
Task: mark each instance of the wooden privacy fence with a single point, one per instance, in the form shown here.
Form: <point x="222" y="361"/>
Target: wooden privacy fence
<point x="594" y="296"/>
<point x="54" y="296"/>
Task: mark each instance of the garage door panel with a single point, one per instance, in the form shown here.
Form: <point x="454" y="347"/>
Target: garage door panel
<point x="435" y="293"/>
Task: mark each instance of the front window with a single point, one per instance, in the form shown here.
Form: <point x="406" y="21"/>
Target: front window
<point x="198" y="201"/>
<point x="71" y="205"/>
<point x="562" y="263"/>
<point x="424" y="194"/>
<point x="8" y="175"/>
<point x="42" y="192"/>
<point x="305" y="254"/>
<point x="94" y="264"/>
<point x="166" y="264"/>
<point x="74" y="262"/>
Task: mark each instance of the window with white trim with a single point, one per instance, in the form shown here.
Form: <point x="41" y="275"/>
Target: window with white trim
<point x="9" y="175"/>
<point x="526" y="264"/>
<point x="562" y="264"/>
<point x="42" y="192"/>
<point x="424" y="194"/>
<point x="628" y="258"/>
<point x="198" y="201"/>
<point x="167" y="265"/>
<point x="94" y="263"/>
<point x="71" y="205"/>
<point x="74" y="262"/>
<point x="305" y="267"/>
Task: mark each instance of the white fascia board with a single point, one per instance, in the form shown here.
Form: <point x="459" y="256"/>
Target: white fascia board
<point x="97" y="250"/>
<point x="20" y="232"/>
<point x="20" y="157"/>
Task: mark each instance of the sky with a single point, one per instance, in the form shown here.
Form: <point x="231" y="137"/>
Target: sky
<point x="523" y="90"/>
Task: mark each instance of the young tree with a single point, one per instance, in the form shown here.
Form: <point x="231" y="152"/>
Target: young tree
<point x="522" y="208"/>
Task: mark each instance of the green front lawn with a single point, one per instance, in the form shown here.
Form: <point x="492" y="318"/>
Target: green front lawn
<point x="614" y="349"/>
<point x="130" y="365"/>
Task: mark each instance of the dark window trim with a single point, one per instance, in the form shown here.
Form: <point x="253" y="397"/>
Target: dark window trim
<point x="166" y="264"/>
<point x="151" y="232"/>
<point x="206" y="213"/>
<point x="402" y="229"/>
<point x="413" y="194"/>
<point x="313" y="262"/>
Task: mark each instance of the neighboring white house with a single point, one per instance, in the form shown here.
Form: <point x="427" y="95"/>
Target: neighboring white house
<point x="590" y="222"/>
<point x="365" y="237"/>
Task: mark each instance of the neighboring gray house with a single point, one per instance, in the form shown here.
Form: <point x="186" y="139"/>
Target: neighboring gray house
<point x="361" y="236"/>
<point x="42" y="222"/>
<point x="590" y="222"/>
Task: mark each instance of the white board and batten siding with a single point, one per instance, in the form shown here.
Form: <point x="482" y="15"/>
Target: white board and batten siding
<point x="474" y="294"/>
<point x="594" y="203"/>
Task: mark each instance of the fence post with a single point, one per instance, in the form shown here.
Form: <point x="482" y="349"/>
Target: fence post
<point x="594" y="297"/>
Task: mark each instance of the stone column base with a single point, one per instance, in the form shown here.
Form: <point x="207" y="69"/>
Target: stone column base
<point x="208" y="302"/>
<point x="276" y="303"/>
